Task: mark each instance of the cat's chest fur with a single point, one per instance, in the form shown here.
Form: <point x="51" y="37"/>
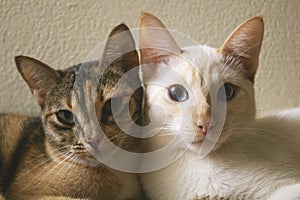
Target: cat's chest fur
<point x="39" y="175"/>
<point x="190" y="178"/>
<point x="71" y="181"/>
<point x="247" y="167"/>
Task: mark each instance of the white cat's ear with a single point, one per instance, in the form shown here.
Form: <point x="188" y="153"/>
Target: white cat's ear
<point x="120" y="50"/>
<point x="156" y="42"/>
<point x="40" y="77"/>
<point x="244" y="45"/>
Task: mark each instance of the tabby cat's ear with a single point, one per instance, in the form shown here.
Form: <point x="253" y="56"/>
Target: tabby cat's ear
<point x="156" y="42"/>
<point x="39" y="77"/>
<point x="120" y="50"/>
<point x="244" y="45"/>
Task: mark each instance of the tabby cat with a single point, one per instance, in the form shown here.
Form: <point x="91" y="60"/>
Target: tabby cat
<point x="45" y="157"/>
<point x="253" y="157"/>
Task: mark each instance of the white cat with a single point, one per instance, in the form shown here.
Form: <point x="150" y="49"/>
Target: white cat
<point x="254" y="158"/>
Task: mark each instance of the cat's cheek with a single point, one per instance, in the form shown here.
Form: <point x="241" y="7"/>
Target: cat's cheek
<point x="115" y="132"/>
<point x="241" y="108"/>
<point x="54" y="138"/>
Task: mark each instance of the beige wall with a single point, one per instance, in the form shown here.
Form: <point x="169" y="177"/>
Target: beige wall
<point x="61" y="33"/>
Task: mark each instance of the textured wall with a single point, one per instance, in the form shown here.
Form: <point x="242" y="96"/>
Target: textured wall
<point x="61" y="33"/>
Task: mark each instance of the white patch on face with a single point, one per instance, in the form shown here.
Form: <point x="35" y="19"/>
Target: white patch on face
<point x="201" y="71"/>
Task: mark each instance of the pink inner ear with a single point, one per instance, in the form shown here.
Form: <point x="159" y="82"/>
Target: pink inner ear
<point x="150" y="55"/>
<point x="156" y="42"/>
<point x="39" y="76"/>
<point x="244" y="44"/>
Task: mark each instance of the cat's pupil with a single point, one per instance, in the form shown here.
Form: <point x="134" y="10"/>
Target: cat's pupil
<point x="65" y="117"/>
<point x="229" y="92"/>
<point x="178" y="93"/>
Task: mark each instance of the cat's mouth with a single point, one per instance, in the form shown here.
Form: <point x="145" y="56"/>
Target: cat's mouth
<point x="198" y="138"/>
<point x="75" y="154"/>
<point x="81" y="156"/>
<point x="84" y="158"/>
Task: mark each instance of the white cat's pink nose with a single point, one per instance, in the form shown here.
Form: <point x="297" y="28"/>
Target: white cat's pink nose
<point x="203" y="126"/>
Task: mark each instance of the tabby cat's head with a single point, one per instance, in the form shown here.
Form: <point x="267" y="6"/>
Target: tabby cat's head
<point x="53" y="91"/>
<point x="186" y="81"/>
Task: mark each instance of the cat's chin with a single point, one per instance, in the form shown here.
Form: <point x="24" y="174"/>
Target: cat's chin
<point x="86" y="161"/>
<point x="81" y="158"/>
<point x="195" y="146"/>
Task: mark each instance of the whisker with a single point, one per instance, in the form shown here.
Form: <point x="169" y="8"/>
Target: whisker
<point x="42" y="171"/>
<point x="42" y="155"/>
<point x="67" y="166"/>
<point x="42" y="163"/>
<point x="69" y="170"/>
<point x="50" y="171"/>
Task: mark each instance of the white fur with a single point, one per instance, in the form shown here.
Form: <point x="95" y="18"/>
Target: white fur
<point x="253" y="157"/>
<point x="291" y="192"/>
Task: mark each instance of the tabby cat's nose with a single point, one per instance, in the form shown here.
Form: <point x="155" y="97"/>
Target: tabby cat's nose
<point x="203" y="126"/>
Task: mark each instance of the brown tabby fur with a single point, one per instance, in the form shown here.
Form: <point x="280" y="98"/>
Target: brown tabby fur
<point x="42" y="158"/>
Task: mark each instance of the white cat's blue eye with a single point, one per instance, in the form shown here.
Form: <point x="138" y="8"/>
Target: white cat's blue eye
<point x="178" y="93"/>
<point x="65" y="117"/>
<point x="230" y="91"/>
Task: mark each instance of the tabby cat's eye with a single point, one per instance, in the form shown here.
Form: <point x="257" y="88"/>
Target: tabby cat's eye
<point x="230" y="91"/>
<point x="178" y="93"/>
<point x="65" y="117"/>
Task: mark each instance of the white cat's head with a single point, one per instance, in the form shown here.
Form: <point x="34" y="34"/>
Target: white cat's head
<point x="185" y="82"/>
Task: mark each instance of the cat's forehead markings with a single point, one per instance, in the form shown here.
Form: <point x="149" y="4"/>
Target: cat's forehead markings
<point x="194" y="76"/>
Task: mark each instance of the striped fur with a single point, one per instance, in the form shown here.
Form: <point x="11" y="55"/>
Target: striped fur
<point x="45" y="157"/>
